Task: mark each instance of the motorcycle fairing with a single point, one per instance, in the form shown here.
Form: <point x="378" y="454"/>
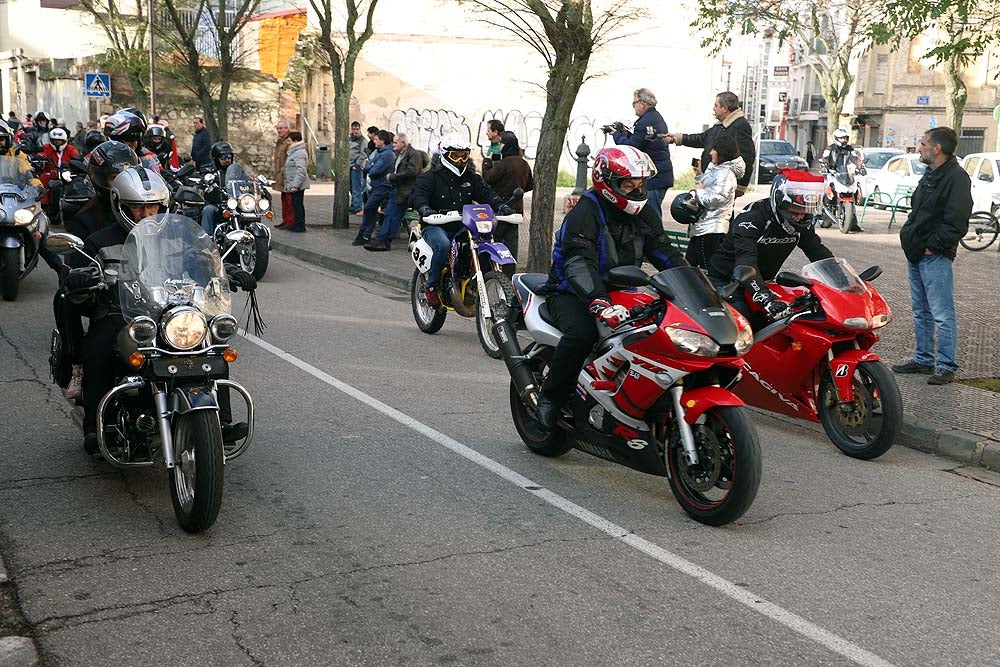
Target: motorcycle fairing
<point x="842" y="368"/>
<point x="700" y="399"/>
<point x="259" y="230"/>
<point x="9" y="240"/>
<point x="497" y="252"/>
<point x="631" y="445"/>
<point x="191" y="398"/>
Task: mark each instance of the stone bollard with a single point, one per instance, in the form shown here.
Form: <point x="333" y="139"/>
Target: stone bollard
<point x="582" y="153"/>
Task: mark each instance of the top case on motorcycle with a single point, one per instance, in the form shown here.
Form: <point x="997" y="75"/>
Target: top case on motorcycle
<point x="533" y="282"/>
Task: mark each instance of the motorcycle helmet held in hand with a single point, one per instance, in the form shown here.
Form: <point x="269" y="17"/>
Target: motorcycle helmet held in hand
<point x="685" y="208"/>
<point x="455" y="153"/>
<point x="137" y="186"/>
<point x="795" y="197"/>
<point x="106" y="162"/>
<point x="612" y="166"/>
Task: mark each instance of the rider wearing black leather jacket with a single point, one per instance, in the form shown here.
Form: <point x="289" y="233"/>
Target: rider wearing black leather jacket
<point x="765" y="234"/>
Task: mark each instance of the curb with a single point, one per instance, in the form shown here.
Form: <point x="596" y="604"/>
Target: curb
<point x="16" y="651"/>
<point x="944" y="441"/>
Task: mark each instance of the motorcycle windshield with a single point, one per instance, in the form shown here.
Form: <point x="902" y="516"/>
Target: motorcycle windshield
<point x="16" y="189"/>
<point x="836" y="273"/>
<point x="688" y="288"/>
<point x="169" y="261"/>
<point x="238" y="172"/>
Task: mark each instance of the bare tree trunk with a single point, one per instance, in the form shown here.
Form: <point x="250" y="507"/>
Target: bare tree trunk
<point x="341" y="153"/>
<point x="957" y="94"/>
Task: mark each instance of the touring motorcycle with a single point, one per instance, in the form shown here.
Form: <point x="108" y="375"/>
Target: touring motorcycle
<point x="175" y="354"/>
<point x="22" y="225"/>
<point x="651" y="396"/>
<point x="816" y="363"/>
<point x="472" y="282"/>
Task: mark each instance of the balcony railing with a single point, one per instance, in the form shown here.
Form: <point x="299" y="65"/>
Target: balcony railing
<point x="817" y="103"/>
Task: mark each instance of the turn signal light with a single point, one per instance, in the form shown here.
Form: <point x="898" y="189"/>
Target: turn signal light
<point x="136" y="359"/>
<point x="796" y="346"/>
<point x="227" y="214"/>
<point x="269" y="215"/>
<point x="230" y="355"/>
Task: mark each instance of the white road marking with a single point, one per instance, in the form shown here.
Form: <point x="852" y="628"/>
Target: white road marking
<point x="747" y="598"/>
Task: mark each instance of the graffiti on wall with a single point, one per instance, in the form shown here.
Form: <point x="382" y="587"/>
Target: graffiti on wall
<point x="426" y="127"/>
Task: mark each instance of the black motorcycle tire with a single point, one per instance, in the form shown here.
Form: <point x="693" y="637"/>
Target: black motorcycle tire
<point x="429" y="320"/>
<point x="744" y="470"/>
<point x="890" y="403"/>
<point x="10" y="270"/>
<point x="197" y="479"/>
<point x="847" y="221"/>
<point x="983" y="231"/>
<point x="498" y="283"/>
<point x="552" y="443"/>
<point x="261" y="251"/>
<point x="825" y="215"/>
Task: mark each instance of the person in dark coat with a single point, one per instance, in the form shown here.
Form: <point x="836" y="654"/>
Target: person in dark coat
<point x="201" y="144"/>
<point x="732" y="123"/>
<point x="938" y="219"/>
<point x="409" y="163"/>
<point x="507" y="174"/>
<point x="645" y="136"/>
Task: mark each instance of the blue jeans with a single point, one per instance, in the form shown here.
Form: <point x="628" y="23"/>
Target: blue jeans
<point x="357" y="189"/>
<point x="393" y="216"/>
<point x="208" y="217"/>
<point x="655" y="199"/>
<point x="440" y="244"/>
<point x="375" y="198"/>
<point x="932" y="296"/>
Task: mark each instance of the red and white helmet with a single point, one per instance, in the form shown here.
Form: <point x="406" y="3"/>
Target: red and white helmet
<point x="611" y="165"/>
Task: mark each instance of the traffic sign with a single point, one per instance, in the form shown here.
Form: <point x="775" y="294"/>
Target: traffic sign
<point x="923" y="99"/>
<point x="96" y="84"/>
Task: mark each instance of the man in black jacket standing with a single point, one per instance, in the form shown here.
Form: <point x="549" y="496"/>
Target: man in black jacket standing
<point x="645" y="136"/>
<point x="731" y="123"/>
<point x="939" y="217"/>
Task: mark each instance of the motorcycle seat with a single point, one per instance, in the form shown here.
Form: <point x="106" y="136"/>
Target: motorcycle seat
<point x="534" y="281"/>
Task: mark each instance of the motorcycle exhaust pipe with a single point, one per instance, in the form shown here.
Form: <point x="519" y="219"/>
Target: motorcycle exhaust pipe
<point x="517" y="364"/>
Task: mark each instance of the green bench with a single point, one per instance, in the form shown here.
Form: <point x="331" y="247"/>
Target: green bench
<point x="679" y="239"/>
<point x="898" y="201"/>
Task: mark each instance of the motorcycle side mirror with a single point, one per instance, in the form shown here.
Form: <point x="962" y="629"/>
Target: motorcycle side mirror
<point x="789" y="279"/>
<point x="627" y="276"/>
<point x="516" y="195"/>
<point x="185" y="171"/>
<point x="871" y="273"/>
<point x="62" y="243"/>
<point x="743" y="274"/>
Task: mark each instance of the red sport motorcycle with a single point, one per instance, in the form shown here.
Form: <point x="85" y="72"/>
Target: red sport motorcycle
<point x="816" y="363"/>
<point x="651" y="395"/>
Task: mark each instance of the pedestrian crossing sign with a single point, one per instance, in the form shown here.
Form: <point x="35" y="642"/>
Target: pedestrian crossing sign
<point x="96" y="84"/>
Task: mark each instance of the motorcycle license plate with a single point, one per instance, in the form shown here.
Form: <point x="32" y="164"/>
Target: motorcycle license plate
<point x="190" y="367"/>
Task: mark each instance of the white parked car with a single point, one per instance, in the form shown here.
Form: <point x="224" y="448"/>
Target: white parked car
<point x="984" y="170"/>
<point x="874" y="160"/>
<point x="902" y="170"/>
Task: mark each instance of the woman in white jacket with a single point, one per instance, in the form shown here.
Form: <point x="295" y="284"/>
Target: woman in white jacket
<point x="715" y="192"/>
<point x="297" y="179"/>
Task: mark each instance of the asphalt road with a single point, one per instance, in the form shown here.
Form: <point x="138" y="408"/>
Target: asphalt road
<point x="388" y="514"/>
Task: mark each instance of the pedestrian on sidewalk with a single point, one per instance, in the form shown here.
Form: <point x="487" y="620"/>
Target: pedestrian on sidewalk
<point x="939" y="218"/>
<point x="357" y="154"/>
<point x="494" y="131"/>
<point x="296" y="179"/>
<point x="278" y="173"/>
<point x="201" y="144"/>
<point x="645" y="137"/>
<point x="507" y="174"/>
<point x="715" y="191"/>
<point x="380" y="163"/>
<point x="409" y="162"/>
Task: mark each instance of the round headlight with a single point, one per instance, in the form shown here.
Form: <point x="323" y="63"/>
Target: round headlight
<point x="692" y="342"/>
<point x="184" y="328"/>
<point x="23" y="216"/>
<point x="263" y="204"/>
<point x="248" y="203"/>
<point x="142" y="330"/>
<point x="232" y="203"/>
<point x="223" y="327"/>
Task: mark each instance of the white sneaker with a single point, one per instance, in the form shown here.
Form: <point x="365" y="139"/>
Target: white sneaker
<point x="72" y="390"/>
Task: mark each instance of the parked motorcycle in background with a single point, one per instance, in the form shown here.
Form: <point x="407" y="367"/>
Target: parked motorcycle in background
<point x="472" y="282"/>
<point x="23" y="223"/>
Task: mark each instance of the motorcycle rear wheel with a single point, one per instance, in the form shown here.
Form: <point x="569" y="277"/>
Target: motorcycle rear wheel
<point x="846" y="214"/>
<point x="724" y="483"/>
<point x="196" y="481"/>
<point x="500" y="292"/>
<point x="428" y="319"/>
<point x="10" y="270"/>
<point x="553" y="443"/>
<point x="869" y="428"/>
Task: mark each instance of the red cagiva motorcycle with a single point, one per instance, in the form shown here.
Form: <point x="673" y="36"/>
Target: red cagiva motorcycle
<point x="650" y="397"/>
<point x="816" y="364"/>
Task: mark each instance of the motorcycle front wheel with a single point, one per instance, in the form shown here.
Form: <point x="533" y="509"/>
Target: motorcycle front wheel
<point x="261" y="255"/>
<point x="428" y="319"/>
<point x="724" y="483"/>
<point x="866" y="427"/>
<point x="845" y="210"/>
<point x="196" y="480"/>
<point x="538" y="440"/>
<point x="500" y="293"/>
<point x="983" y="231"/>
<point x="10" y="270"/>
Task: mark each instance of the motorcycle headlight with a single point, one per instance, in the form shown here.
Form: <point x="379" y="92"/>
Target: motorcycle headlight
<point x="880" y="321"/>
<point x="484" y="226"/>
<point x="744" y="340"/>
<point x="263" y="204"/>
<point x="184" y="328"/>
<point x="693" y="342"/>
<point x="232" y="203"/>
<point x="223" y="327"/>
<point x="857" y="323"/>
<point x="248" y="203"/>
<point x="142" y="330"/>
<point x="23" y="216"/>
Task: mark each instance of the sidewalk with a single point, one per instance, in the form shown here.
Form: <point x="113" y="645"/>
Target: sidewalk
<point x="955" y="421"/>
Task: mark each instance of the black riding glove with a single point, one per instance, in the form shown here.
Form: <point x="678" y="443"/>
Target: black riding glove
<point x="79" y="279"/>
<point x="425" y="211"/>
<point x="238" y="278"/>
<point x="505" y="210"/>
<point x="768" y="300"/>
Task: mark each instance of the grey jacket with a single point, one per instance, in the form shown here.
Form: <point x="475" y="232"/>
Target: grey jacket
<point x="717" y="196"/>
<point x="296" y="175"/>
<point x="358" y="151"/>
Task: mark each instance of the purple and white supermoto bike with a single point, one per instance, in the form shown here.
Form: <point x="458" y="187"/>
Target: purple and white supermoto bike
<point x="472" y="282"/>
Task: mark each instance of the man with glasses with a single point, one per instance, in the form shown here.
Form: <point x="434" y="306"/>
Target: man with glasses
<point x="450" y="184"/>
<point x="646" y="138"/>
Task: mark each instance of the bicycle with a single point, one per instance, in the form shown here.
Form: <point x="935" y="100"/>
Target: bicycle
<point x="983" y="231"/>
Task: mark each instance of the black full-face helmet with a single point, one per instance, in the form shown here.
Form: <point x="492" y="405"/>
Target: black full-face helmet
<point x="106" y="162"/>
<point x="221" y="154"/>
